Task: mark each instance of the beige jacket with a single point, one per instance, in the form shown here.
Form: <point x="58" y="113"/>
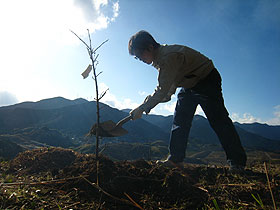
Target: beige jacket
<point x="178" y="66"/>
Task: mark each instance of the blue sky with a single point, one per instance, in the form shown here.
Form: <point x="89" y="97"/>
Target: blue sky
<point x="40" y="58"/>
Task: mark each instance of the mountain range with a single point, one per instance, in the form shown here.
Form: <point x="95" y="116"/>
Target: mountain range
<point x="62" y="122"/>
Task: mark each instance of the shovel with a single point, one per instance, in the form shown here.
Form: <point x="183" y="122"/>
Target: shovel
<point x="109" y="128"/>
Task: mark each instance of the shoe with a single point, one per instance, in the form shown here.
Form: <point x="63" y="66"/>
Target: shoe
<point x="170" y="164"/>
<point x="236" y="169"/>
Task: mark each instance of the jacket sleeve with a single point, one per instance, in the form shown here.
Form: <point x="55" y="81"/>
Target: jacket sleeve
<point x="171" y="91"/>
<point x="168" y="70"/>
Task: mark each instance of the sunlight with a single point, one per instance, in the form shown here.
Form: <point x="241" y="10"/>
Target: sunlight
<point x="32" y="31"/>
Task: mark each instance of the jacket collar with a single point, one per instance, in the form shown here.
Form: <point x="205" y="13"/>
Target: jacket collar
<point x="158" y="55"/>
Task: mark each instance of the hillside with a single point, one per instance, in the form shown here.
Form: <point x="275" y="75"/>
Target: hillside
<point x="64" y="123"/>
<point x="267" y="131"/>
<point x="30" y="138"/>
<point x="8" y="149"/>
<point x="73" y="120"/>
<point x="197" y="153"/>
<point x="201" y="130"/>
<point x="55" y="178"/>
<point x="50" y="103"/>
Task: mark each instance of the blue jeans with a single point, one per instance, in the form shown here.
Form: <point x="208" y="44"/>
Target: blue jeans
<point x="208" y="94"/>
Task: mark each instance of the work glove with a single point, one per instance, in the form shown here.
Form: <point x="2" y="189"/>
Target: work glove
<point x="136" y="113"/>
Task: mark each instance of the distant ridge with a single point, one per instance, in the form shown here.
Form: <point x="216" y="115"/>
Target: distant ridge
<point x="50" y="103"/>
<point x="74" y="118"/>
<point x="267" y="131"/>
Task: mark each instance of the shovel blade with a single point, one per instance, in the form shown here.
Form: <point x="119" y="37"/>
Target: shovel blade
<point x="118" y="131"/>
<point x="108" y="129"/>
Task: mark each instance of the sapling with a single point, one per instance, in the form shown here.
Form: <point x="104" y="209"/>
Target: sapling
<point x="92" y="52"/>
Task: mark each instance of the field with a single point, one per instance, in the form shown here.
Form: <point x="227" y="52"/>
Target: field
<point x="56" y="178"/>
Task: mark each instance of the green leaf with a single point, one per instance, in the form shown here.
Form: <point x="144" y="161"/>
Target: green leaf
<point x="216" y="204"/>
<point x="259" y="200"/>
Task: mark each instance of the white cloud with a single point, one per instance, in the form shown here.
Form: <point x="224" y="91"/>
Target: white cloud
<point x="277" y="111"/>
<point x="31" y="26"/>
<point x="116" y="8"/>
<point x="113" y="101"/>
<point x="97" y="3"/>
<point x="7" y="98"/>
<point x="276" y="119"/>
<point x="170" y="107"/>
<point x="249" y="118"/>
<point x="34" y="31"/>
<point x="142" y="93"/>
<point x="199" y="111"/>
<point x="39" y="21"/>
<point x="97" y="13"/>
<point x="245" y="118"/>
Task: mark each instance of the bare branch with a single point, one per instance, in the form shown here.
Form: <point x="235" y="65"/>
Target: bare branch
<point x="100" y="45"/>
<point x="103" y="94"/>
<point x="99" y="73"/>
<point x="81" y="40"/>
<point x="89" y="38"/>
<point x="95" y="58"/>
<point x="96" y="63"/>
<point x="269" y="186"/>
<point x="108" y="194"/>
<point x="132" y="201"/>
<point x="73" y="204"/>
<point x="42" y="182"/>
<point x="89" y="52"/>
<point x="103" y="149"/>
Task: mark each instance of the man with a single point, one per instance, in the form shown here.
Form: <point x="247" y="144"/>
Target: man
<point x="200" y="82"/>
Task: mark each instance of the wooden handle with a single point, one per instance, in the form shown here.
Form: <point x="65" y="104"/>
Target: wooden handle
<point x="124" y="120"/>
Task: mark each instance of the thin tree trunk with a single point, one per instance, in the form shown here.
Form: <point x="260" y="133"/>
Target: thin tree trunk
<point x="93" y="57"/>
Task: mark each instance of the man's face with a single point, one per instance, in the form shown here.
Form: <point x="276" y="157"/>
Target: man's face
<point x="147" y="56"/>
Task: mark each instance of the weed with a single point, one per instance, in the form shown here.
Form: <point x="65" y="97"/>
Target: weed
<point x="148" y="185"/>
<point x="216" y="204"/>
<point x="9" y="178"/>
<point x="259" y="200"/>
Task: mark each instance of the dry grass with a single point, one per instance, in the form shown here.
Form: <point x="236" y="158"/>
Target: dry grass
<point x="65" y="184"/>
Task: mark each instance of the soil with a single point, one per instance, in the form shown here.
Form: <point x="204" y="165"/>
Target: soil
<point x="147" y="184"/>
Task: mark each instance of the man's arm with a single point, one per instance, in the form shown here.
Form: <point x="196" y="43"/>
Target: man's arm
<point x="166" y="79"/>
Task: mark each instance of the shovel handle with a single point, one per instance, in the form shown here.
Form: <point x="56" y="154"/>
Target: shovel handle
<point x="124" y="120"/>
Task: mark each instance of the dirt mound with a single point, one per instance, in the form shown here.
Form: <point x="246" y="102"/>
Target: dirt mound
<point x="42" y="160"/>
<point x="140" y="179"/>
<point x="150" y="185"/>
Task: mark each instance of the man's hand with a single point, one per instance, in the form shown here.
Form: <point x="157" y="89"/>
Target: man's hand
<point x="136" y="113"/>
